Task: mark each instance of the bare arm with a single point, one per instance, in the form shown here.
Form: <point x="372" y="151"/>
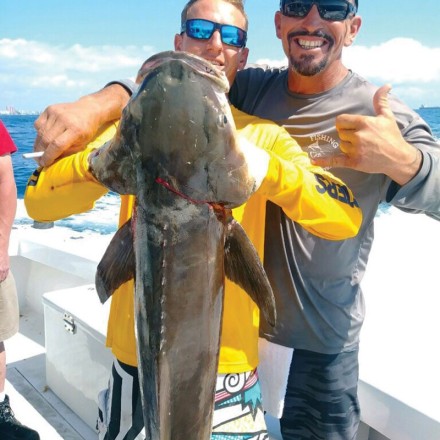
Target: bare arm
<point x="374" y="144"/>
<point x="8" y="206"/>
<point x="63" y="129"/>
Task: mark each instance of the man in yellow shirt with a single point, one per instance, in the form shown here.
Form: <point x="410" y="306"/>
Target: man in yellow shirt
<point x="309" y="195"/>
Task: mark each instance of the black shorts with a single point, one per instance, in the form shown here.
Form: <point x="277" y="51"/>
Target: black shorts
<point x="321" y="400"/>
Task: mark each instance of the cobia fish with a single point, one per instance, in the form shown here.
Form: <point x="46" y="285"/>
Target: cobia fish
<point x="176" y="151"/>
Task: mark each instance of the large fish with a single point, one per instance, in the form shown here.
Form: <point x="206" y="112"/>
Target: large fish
<point x="176" y="150"/>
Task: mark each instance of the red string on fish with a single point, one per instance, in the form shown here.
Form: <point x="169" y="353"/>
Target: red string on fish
<point x="219" y="209"/>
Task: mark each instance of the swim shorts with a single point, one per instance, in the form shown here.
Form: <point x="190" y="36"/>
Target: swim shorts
<point x="238" y="412"/>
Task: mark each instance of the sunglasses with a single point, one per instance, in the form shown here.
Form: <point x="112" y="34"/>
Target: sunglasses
<point x="330" y="10"/>
<point x="201" y="29"/>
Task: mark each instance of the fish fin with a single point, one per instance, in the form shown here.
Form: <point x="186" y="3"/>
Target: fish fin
<point x="117" y="265"/>
<point x="113" y="163"/>
<point x="243" y="266"/>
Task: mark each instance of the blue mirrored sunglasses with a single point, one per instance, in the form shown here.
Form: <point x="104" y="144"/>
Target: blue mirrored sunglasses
<point x="330" y="10"/>
<point x="201" y="29"/>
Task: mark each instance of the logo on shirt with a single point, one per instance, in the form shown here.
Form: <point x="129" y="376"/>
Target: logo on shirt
<point x="336" y="191"/>
<point x="323" y="146"/>
<point x="33" y="180"/>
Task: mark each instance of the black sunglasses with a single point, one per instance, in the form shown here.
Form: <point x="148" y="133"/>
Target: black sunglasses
<point x="330" y="10"/>
<point x="201" y="29"/>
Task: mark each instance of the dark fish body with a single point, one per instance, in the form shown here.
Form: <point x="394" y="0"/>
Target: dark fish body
<point x="176" y="151"/>
<point x="186" y="347"/>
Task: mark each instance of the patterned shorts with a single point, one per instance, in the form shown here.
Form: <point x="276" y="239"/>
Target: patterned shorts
<point x="238" y="411"/>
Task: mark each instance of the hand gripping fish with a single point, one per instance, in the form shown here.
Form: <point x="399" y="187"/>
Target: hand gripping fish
<point x="176" y="151"/>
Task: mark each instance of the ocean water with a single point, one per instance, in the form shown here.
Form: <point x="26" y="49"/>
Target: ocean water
<point x="104" y="217"/>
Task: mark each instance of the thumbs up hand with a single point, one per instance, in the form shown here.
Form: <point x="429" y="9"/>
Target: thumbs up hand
<point x="374" y="144"/>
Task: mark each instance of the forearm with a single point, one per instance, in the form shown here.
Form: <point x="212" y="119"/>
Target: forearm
<point x="62" y="189"/>
<point x="313" y="198"/>
<point x="108" y="102"/>
<point x="8" y="206"/>
<point x="7" y="214"/>
<point x="405" y="166"/>
<point x="64" y="129"/>
<point x="421" y="193"/>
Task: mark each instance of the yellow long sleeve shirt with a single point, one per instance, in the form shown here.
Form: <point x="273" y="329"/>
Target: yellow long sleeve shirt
<point x="314" y="198"/>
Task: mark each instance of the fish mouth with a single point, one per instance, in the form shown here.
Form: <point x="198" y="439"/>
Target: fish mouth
<point x="209" y="68"/>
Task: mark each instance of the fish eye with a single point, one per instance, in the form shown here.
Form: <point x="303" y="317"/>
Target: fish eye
<point x="222" y="120"/>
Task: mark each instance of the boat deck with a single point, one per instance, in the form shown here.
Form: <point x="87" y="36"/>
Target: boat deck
<point x="399" y="360"/>
<point x="33" y="403"/>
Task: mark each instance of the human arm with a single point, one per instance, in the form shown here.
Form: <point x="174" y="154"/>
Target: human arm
<point x="8" y="206"/>
<point x="312" y="197"/>
<point x="309" y="195"/>
<point x="63" y="129"/>
<point x="375" y="144"/>
<point x="67" y="187"/>
<point x="398" y="144"/>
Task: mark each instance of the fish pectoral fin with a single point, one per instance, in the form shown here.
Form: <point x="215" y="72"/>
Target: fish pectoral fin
<point x="117" y="265"/>
<point x="243" y="266"/>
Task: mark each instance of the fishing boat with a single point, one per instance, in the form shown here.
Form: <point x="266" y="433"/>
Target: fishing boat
<point x="58" y="362"/>
<point x="427" y="107"/>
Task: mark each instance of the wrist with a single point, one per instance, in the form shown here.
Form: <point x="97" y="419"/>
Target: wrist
<point x="409" y="169"/>
<point x="416" y="163"/>
<point x="116" y="97"/>
<point x="418" y="160"/>
<point x="107" y="104"/>
<point x="127" y="84"/>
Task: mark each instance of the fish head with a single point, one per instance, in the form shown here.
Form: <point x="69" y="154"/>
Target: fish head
<point x="186" y="132"/>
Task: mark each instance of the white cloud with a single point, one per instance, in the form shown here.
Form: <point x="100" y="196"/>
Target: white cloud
<point x="55" y="81"/>
<point x="399" y="61"/>
<point x="78" y="58"/>
<point x="273" y="63"/>
<point x="411" y="68"/>
<point x="34" y="75"/>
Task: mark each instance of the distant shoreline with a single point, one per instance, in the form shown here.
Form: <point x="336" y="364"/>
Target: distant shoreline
<point x="20" y="113"/>
<point x="424" y="107"/>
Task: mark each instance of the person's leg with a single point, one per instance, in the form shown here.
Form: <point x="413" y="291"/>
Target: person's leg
<point x="2" y="370"/>
<point x="9" y="319"/>
<point x="120" y="406"/>
<point x="321" y="398"/>
<point x="238" y="411"/>
<point x="10" y="427"/>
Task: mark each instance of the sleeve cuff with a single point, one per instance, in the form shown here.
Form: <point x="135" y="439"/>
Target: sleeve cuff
<point x="398" y="193"/>
<point x="129" y="85"/>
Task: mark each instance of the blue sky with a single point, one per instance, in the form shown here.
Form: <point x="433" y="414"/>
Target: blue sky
<point x="55" y="51"/>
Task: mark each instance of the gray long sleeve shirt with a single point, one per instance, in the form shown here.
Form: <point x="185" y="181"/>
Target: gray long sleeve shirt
<point x="316" y="282"/>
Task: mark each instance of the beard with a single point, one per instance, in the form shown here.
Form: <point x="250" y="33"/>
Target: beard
<point x="306" y="65"/>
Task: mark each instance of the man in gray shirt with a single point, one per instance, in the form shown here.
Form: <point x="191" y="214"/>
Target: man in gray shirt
<point x="377" y="145"/>
<point x="385" y="153"/>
